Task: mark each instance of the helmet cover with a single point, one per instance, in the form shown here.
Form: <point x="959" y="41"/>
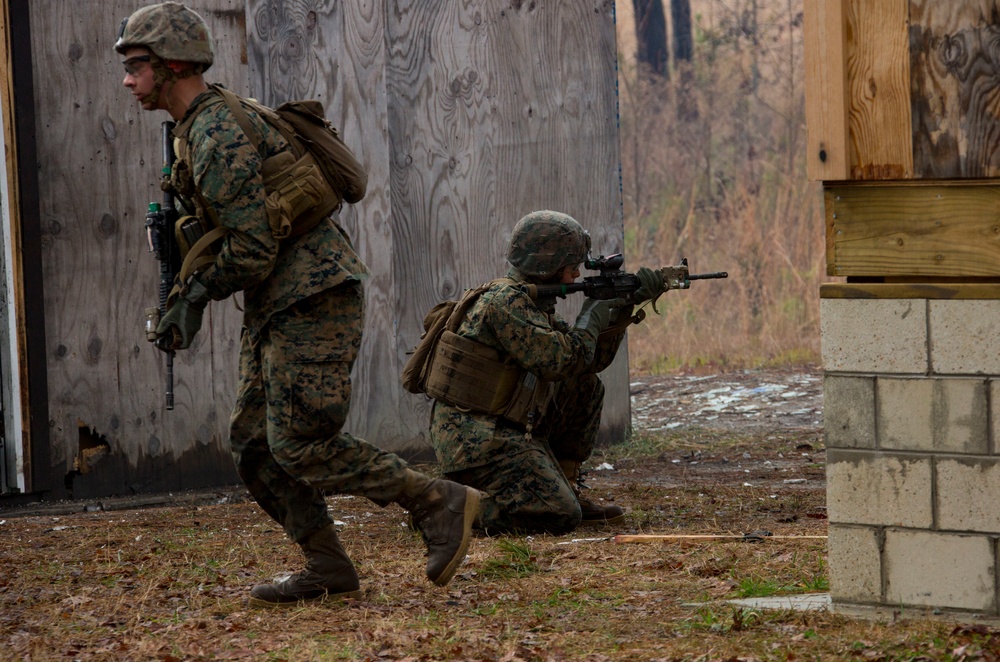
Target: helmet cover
<point x="171" y="31"/>
<point x="544" y="241"/>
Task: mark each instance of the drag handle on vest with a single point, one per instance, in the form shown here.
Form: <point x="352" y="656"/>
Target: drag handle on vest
<point x="613" y="283"/>
<point x="160" y="220"/>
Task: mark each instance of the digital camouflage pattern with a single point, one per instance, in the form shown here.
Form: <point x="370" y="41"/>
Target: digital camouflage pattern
<point x="544" y="241"/>
<point x="521" y="473"/>
<point x="224" y="174"/>
<point x="171" y="31"/>
<point x="294" y="395"/>
<point x="303" y="316"/>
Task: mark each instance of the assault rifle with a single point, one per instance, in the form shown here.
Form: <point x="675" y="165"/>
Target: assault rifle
<point x="160" y="220"/>
<point x="613" y="283"/>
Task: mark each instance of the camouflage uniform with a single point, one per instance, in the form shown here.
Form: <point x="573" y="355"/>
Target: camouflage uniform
<point x="521" y="472"/>
<point x="304" y="312"/>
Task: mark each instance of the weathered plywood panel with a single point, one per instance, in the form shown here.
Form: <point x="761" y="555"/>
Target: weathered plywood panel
<point x="98" y="156"/>
<point x="825" y="35"/>
<point x="340" y="58"/>
<point x="955" y="90"/>
<point x="879" y="89"/>
<point x="939" y="230"/>
<point x="491" y="117"/>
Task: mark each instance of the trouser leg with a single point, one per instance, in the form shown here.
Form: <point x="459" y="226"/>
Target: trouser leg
<point x="573" y="419"/>
<point x="299" y="508"/>
<point x="527" y="492"/>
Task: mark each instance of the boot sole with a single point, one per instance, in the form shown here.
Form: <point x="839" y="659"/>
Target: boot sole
<point x="472" y="498"/>
<point x="326" y="597"/>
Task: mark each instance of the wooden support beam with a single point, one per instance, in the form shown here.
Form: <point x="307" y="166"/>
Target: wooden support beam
<point x="878" y="74"/>
<point x="910" y="291"/>
<point x="940" y="230"/>
<point x="825" y="36"/>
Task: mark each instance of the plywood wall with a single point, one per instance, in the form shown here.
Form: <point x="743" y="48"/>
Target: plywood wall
<point x="466" y="114"/>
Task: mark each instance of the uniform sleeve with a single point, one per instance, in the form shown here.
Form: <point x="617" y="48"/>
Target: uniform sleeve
<point x="226" y="171"/>
<point x="551" y="350"/>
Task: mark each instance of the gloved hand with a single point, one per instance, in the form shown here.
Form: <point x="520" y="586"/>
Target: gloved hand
<point x="651" y="285"/>
<point x="594" y="317"/>
<point x="183" y="319"/>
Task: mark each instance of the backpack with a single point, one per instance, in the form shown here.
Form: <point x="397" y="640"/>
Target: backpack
<point x="447" y="315"/>
<point x="302" y="186"/>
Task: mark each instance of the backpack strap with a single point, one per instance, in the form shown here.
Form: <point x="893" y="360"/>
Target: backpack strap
<point x="469" y="298"/>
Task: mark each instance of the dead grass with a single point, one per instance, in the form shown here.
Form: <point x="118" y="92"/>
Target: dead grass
<point x="713" y="169"/>
<point x="171" y="583"/>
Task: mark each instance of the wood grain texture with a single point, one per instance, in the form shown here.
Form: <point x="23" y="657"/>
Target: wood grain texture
<point x="946" y="230"/>
<point x="825" y="37"/>
<point x="466" y="115"/>
<point x="99" y="163"/>
<point x="490" y="117"/>
<point x="879" y="89"/>
<point x="954" y="50"/>
<point x="335" y="52"/>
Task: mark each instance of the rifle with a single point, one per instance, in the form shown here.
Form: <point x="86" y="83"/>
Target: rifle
<point x="160" y="220"/>
<point x="613" y="283"/>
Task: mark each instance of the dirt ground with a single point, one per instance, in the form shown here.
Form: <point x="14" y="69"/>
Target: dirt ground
<point x="724" y="455"/>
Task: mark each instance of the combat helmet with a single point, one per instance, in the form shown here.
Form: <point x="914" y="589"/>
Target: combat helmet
<point x="544" y="241"/>
<point x="171" y="31"/>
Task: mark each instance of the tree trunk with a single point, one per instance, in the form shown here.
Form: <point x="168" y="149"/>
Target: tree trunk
<point x="651" y="35"/>
<point x="680" y="15"/>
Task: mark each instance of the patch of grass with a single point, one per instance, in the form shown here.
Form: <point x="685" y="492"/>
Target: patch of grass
<point x="517" y="562"/>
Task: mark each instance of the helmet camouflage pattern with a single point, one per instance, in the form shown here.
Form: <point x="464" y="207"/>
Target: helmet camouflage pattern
<point x="171" y="31"/>
<point x="545" y="241"/>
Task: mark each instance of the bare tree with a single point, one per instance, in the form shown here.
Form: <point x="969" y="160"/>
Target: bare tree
<point x="680" y="17"/>
<point x="651" y="36"/>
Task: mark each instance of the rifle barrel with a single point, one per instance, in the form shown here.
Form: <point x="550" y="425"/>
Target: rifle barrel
<point x="712" y="274"/>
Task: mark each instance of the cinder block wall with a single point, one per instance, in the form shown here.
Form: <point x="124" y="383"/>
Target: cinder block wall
<point x="913" y="464"/>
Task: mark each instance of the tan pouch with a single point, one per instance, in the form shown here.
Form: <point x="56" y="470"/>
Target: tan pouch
<point x="468" y="374"/>
<point x="531" y="396"/>
<point x="298" y="196"/>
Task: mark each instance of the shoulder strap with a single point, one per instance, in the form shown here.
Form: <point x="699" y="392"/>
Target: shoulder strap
<point x="239" y="113"/>
<point x="469" y="298"/>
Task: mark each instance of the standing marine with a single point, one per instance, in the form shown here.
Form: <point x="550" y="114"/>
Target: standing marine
<point x="303" y="315"/>
<point x="520" y="428"/>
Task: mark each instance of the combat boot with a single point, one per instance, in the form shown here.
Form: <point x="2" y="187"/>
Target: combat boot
<point x="329" y="575"/>
<point x="593" y="513"/>
<point x="443" y="512"/>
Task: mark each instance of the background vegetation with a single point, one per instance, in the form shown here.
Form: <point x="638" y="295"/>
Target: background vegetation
<point x="713" y="169"/>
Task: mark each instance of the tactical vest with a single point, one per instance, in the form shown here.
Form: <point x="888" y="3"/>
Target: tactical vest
<point x="467" y="374"/>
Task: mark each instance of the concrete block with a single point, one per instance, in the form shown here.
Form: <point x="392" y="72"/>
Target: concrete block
<point x="968" y="491"/>
<point x="994" y="407"/>
<point x="963" y="337"/>
<point x="933" y="569"/>
<point x="933" y="414"/>
<point x="874" y="335"/>
<point x="878" y="489"/>
<point x="855" y="564"/>
<point x="849" y="411"/>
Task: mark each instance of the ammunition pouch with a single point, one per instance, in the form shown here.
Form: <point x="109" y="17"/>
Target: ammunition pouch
<point x="470" y="375"/>
<point x="298" y="195"/>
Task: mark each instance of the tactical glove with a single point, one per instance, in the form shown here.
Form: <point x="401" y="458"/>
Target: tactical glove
<point x="651" y="285"/>
<point x="594" y="317"/>
<point x="183" y="319"/>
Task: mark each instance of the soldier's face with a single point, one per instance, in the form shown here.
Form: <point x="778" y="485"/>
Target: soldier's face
<point x="139" y="78"/>
<point x="569" y="274"/>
